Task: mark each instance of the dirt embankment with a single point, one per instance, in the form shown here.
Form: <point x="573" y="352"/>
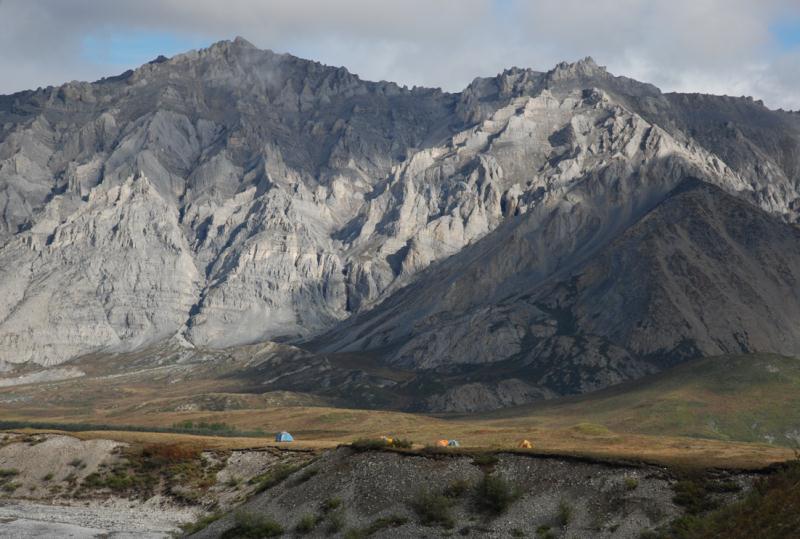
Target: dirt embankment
<point x="377" y="494"/>
<point x="56" y="485"/>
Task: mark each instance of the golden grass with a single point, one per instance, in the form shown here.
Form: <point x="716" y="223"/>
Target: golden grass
<point x="320" y="428"/>
<point x="661" y="420"/>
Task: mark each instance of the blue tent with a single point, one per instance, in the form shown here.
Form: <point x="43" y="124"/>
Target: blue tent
<point x="284" y="437"/>
<point x="453" y="443"/>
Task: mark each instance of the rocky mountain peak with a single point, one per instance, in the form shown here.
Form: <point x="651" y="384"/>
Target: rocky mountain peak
<point x="584" y="68"/>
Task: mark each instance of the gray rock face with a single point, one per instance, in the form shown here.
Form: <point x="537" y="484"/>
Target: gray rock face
<point x="232" y="195"/>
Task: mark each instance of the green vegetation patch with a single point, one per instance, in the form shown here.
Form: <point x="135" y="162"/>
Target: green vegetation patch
<point x="250" y="525"/>
<point x="274" y="476"/>
<point x="201" y="428"/>
<point x="494" y="495"/>
<point x="178" y="470"/>
<point x="200" y="524"/>
<point x="433" y="509"/>
<point x="771" y="510"/>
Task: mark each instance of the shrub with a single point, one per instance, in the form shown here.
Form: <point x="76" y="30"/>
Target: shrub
<point x="544" y="532"/>
<point x="457" y="488"/>
<point x="693" y="495"/>
<point x="564" y="512"/>
<point x="391" y="521"/>
<point x="200" y="524"/>
<point x="330" y="504"/>
<point x="495" y="495"/>
<point x="252" y="525"/>
<point x="160" y="454"/>
<point x="274" y="476"/>
<point x="307" y="474"/>
<point x="233" y="482"/>
<point x="485" y="459"/>
<point x="770" y="509"/>
<point x="306" y="524"/>
<point x="402" y="443"/>
<point x="10" y="487"/>
<point x="516" y="532"/>
<point x="335" y="522"/>
<point x="48" y="476"/>
<point x="6" y="473"/>
<point x="368" y="444"/>
<point x="77" y="463"/>
<point x="433" y="509"/>
<point x="631" y="483"/>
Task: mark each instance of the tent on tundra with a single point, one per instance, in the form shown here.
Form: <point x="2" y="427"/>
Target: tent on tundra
<point x="441" y="443"/>
<point x="284" y="436"/>
<point x="525" y="444"/>
<point x="453" y="443"/>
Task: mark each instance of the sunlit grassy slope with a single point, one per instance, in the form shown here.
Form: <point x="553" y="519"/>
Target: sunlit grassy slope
<point x="727" y="411"/>
<point x="754" y="398"/>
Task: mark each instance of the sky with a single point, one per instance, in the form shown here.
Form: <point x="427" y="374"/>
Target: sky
<point x="733" y="47"/>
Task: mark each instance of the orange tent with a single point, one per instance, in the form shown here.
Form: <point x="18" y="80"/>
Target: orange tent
<point x="441" y="443"/>
<point x="525" y="444"/>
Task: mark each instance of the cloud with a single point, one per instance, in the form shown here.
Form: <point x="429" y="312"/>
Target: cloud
<point x="721" y="46"/>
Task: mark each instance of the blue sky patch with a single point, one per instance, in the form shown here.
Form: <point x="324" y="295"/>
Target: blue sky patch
<point x="129" y="49"/>
<point x="787" y="33"/>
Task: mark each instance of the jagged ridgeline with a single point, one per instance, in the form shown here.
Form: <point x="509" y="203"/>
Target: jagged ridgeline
<point x="537" y="234"/>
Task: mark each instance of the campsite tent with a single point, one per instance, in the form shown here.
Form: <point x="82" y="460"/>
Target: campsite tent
<point x="525" y="444"/>
<point x="441" y="443"/>
<point x="453" y="443"/>
<point x="284" y="437"/>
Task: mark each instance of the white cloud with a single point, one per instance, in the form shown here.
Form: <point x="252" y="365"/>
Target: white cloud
<point x="720" y="46"/>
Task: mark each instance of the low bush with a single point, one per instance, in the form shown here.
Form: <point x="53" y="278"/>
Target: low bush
<point x="335" y="522"/>
<point x="485" y="459"/>
<point x="544" y="532"/>
<point x="770" y="510"/>
<point x="171" y="453"/>
<point x="494" y="495"/>
<point x="307" y="474"/>
<point x="274" y="476"/>
<point x="457" y="488"/>
<point x="253" y="526"/>
<point x="694" y="496"/>
<point x="369" y="444"/>
<point x="200" y="524"/>
<point x="433" y="509"/>
<point x="402" y="443"/>
<point x="631" y="483"/>
<point x="564" y="512"/>
<point x="306" y="524"/>
<point x="7" y="473"/>
<point x="330" y="504"/>
<point x="10" y="487"/>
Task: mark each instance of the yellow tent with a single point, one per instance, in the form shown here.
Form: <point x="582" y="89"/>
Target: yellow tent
<point x="525" y="444"/>
<point x="441" y="443"/>
<point x="388" y="440"/>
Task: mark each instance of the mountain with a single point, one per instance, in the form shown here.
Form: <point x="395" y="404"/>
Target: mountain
<point x="535" y="235"/>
